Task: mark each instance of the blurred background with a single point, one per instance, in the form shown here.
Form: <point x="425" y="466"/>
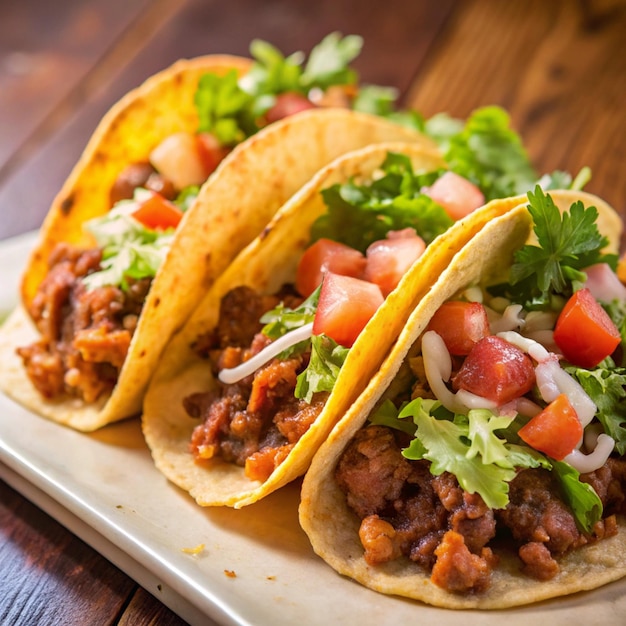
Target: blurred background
<point x="557" y="66"/>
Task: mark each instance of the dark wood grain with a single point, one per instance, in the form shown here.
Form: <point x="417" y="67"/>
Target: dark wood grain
<point x="47" y="51"/>
<point x="557" y="67"/>
<point x="48" y="576"/>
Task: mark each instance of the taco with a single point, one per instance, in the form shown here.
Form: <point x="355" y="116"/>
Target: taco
<point x="461" y="476"/>
<point x="106" y="287"/>
<point x="232" y="438"/>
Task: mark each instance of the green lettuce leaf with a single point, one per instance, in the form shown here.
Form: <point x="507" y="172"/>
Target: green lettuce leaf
<point x="606" y="386"/>
<point x="358" y="215"/>
<point x="491" y="155"/>
<point x="581" y="497"/>
<point x="327" y="358"/>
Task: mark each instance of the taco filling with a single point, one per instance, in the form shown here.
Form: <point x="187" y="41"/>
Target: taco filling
<point x="268" y="396"/>
<point x="88" y="305"/>
<point x="507" y="425"/>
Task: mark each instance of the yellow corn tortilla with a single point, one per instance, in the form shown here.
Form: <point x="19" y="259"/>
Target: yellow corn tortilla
<point x="332" y="527"/>
<point x="233" y="206"/>
<point x="270" y="261"/>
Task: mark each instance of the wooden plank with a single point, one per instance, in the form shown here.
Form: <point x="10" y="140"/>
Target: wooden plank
<point x="145" y="610"/>
<point x="171" y="30"/>
<point x="560" y="71"/>
<point x="48" y="576"/>
<point x="46" y="50"/>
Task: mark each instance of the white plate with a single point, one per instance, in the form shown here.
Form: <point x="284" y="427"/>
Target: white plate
<point x="256" y="566"/>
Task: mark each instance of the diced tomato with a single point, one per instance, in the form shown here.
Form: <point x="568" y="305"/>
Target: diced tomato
<point x="326" y="255"/>
<point x="555" y="431"/>
<point x="211" y="152"/>
<point x="461" y="325"/>
<point x="158" y="213"/>
<point x="497" y="370"/>
<point x="389" y="259"/>
<point x="584" y="331"/>
<point x="457" y="195"/>
<point x="287" y="104"/>
<point x="345" y="306"/>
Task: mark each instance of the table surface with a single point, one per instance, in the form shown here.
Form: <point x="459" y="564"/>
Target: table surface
<point x="558" y="67"/>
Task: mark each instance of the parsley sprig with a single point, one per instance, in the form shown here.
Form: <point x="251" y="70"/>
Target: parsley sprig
<point x="568" y="243"/>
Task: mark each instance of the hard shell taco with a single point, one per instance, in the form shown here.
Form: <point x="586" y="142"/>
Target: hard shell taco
<point x="483" y="466"/>
<point x="252" y="385"/>
<point x="107" y="286"/>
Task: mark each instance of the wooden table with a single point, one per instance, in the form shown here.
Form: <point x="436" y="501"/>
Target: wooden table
<point x="557" y="66"/>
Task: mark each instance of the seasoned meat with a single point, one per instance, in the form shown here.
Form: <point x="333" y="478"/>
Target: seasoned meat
<point x="140" y="174"/>
<point x="85" y="335"/>
<point x="255" y="422"/>
<point x="406" y="510"/>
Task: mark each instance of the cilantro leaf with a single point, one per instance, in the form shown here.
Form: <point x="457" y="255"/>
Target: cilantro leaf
<point x="581" y="497"/>
<point x="327" y="358"/>
<point x="568" y="243"/>
<point x="272" y="73"/>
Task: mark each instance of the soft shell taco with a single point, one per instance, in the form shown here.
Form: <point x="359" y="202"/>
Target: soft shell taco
<point x="106" y="287"/>
<point x="461" y="476"/>
<point x="230" y="438"/>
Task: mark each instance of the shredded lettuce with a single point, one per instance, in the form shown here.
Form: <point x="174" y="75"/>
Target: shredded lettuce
<point x="130" y="250"/>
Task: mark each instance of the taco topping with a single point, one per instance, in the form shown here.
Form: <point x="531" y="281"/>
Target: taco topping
<point x="512" y="432"/>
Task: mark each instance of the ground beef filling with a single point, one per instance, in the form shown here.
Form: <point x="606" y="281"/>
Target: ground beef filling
<point x="255" y="422"/>
<point x="85" y="335"/>
<point x="429" y="519"/>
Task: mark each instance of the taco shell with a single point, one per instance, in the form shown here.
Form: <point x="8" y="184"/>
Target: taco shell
<point x="233" y="206"/>
<point x="333" y="528"/>
<point x="270" y="261"/>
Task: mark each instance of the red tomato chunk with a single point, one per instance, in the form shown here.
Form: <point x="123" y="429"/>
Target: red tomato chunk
<point x="287" y="104"/>
<point x="326" y="255"/>
<point x="555" y="431"/>
<point x="461" y="325"/>
<point x="158" y="213"/>
<point x="389" y="259"/>
<point x="457" y="195"/>
<point x="584" y="331"/>
<point x="210" y="151"/>
<point x="345" y="306"/>
<point x="497" y="370"/>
